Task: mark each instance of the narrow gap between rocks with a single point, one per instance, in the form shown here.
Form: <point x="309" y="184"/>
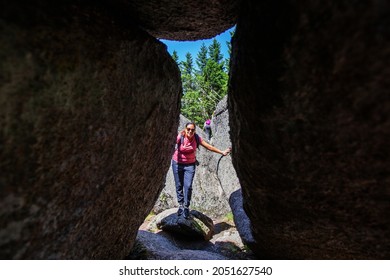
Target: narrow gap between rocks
<point x="211" y="232"/>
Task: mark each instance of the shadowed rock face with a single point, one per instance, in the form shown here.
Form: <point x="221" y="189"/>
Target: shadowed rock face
<point x="181" y="19"/>
<point x="88" y="113"/>
<point x="310" y="127"/>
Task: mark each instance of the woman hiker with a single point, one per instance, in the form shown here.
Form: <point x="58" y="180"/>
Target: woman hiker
<point x="184" y="165"/>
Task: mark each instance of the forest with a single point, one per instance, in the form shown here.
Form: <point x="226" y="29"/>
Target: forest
<point x="204" y="80"/>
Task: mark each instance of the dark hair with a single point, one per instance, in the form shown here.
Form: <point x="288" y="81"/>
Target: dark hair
<point x="183" y="132"/>
<point x="187" y="124"/>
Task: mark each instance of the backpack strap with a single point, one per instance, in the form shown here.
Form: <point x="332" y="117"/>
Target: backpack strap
<point x="197" y="140"/>
<point x="182" y="140"/>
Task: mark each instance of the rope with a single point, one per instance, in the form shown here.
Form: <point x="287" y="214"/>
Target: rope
<point x="219" y="180"/>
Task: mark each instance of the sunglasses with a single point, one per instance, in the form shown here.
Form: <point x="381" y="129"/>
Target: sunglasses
<point x="190" y="129"/>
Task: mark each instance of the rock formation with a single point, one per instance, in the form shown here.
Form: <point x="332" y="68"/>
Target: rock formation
<point x="181" y="20"/>
<point x="152" y="246"/>
<point x="309" y="115"/>
<point x="241" y="219"/>
<point x="87" y="91"/>
<point x="197" y="226"/>
<point x="84" y="100"/>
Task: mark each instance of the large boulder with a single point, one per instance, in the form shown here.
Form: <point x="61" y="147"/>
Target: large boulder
<point x="180" y="20"/>
<point x="151" y="246"/>
<point x="198" y="225"/>
<point x="241" y="219"/>
<point x="310" y="125"/>
<point x="88" y="109"/>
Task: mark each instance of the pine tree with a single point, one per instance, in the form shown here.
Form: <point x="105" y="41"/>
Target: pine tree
<point x="191" y="104"/>
<point x="187" y="73"/>
<point x="214" y="75"/>
<point x="204" y="88"/>
<point x="175" y="57"/>
<point x="201" y="59"/>
<point x="215" y="51"/>
<point x="229" y="46"/>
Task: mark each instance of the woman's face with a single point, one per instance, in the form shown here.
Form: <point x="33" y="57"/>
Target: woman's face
<point x="190" y="130"/>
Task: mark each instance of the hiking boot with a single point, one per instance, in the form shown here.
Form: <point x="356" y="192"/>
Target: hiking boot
<point x="186" y="213"/>
<point x="180" y="210"/>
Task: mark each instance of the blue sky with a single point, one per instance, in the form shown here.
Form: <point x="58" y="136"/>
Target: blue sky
<point x="193" y="47"/>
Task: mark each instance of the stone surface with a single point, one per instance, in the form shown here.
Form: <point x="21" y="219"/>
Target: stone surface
<point x="81" y="98"/>
<point x="196" y="226"/>
<point x="226" y="241"/>
<point x="151" y="246"/>
<point x="181" y="20"/>
<point x="241" y="219"/>
<point x="309" y="114"/>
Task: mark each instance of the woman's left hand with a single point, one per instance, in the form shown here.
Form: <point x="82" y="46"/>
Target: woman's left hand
<point x="226" y="152"/>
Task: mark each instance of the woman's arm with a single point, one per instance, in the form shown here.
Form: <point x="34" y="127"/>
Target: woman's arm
<point x="214" y="149"/>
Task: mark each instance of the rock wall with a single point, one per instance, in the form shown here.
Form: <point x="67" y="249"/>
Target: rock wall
<point x="181" y="20"/>
<point x="309" y="115"/>
<point x="211" y="187"/>
<point x="84" y="100"/>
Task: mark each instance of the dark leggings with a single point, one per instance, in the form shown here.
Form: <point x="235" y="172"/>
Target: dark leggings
<point x="184" y="175"/>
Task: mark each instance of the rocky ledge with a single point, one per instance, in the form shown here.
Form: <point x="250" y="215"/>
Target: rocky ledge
<point x="219" y="241"/>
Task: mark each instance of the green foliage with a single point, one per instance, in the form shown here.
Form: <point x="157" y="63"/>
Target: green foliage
<point x="192" y="106"/>
<point x="229" y="45"/>
<point x="205" y="86"/>
<point x="229" y="217"/>
<point x="201" y="59"/>
<point x="215" y="51"/>
<point x="175" y="57"/>
<point x="187" y="66"/>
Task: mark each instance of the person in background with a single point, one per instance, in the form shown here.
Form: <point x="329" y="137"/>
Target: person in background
<point x="184" y="165"/>
<point x="207" y="129"/>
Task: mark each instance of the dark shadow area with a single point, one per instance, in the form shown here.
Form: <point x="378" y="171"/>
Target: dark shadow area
<point x="233" y="252"/>
<point x="222" y="226"/>
<point x="186" y="242"/>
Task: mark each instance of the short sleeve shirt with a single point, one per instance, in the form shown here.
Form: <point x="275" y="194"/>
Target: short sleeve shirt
<point x="186" y="152"/>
